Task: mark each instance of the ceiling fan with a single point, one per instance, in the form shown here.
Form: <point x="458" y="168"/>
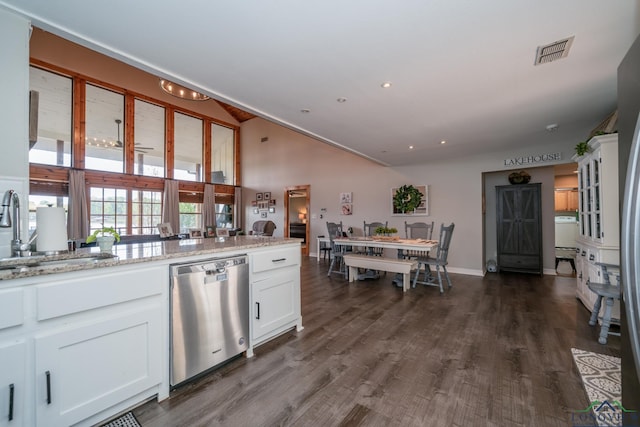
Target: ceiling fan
<point x="137" y="146"/>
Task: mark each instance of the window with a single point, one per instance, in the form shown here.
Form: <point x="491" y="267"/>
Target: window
<point x="53" y="118"/>
<point x="135" y="207"/>
<point x="190" y="216"/>
<point x="104" y="130"/>
<point x="222" y="154"/>
<point x="149" y="131"/>
<point x="146" y="212"/>
<point x="108" y="209"/>
<point x="224" y="215"/>
<point x="188" y="140"/>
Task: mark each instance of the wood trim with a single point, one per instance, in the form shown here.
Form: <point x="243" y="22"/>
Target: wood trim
<point x="79" y="123"/>
<point x="49" y="173"/>
<point x="129" y="132"/>
<point x="206" y="152"/>
<point x="224" y="189"/>
<point x="237" y="181"/>
<point x="75" y="75"/>
<point x="169" y="142"/>
<point x="307" y="189"/>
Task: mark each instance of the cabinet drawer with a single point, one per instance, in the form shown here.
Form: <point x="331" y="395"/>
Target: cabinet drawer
<point x="11" y="308"/>
<point x="90" y="292"/>
<point x="519" y="262"/>
<point x="278" y="258"/>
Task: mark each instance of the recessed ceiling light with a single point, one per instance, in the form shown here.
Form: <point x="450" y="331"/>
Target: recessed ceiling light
<point x="443" y="142"/>
<point x="386" y="85"/>
<point x="411" y="147"/>
<point x="305" y="110"/>
<point x="552" y="127"/>
<point x="341" y="100"/>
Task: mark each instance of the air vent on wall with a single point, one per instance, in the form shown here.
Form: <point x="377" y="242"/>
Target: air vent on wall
<point x="554" y="51"/>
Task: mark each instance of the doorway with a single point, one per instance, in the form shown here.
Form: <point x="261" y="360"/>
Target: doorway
<point x="296" y="214"/>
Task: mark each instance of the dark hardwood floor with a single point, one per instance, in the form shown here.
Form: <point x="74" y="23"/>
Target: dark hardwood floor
<point x="492" y="351"/>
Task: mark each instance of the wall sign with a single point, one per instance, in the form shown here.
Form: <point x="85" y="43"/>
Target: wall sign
<point x="529" y="160"/>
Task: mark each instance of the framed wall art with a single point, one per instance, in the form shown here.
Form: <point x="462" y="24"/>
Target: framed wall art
<point x="259" y="196"/>
<point x="195" y="233"/>
<point x="346" y="197"/>
<point x="267" y="196"/>
<point x="403" y="198"/>
<point x="165" y="229"/>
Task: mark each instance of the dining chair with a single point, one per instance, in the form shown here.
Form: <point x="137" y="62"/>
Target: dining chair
<point x="370" y="230"/>
<point x="417" y="230"/>
<point x="439" y="261"/>
<point x="337" y="251"/>
<point x="324" y="248"/>
<point x="609" y="292"/>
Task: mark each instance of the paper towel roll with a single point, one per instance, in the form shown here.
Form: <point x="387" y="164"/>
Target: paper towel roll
<point x="52" y="229"/>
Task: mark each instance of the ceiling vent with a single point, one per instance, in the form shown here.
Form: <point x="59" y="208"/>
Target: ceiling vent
<point x="554" y="51"/>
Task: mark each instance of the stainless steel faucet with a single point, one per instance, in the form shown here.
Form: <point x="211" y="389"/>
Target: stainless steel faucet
<point x="17" y="247"/>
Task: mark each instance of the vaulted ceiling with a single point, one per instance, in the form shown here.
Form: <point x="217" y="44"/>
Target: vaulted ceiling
<point x="460" y="71"/>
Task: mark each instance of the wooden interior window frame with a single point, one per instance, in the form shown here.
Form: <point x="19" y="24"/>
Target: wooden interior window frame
<point x="54" y="180"/>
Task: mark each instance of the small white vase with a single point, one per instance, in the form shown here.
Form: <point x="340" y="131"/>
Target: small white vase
<point x="105" y="243"/>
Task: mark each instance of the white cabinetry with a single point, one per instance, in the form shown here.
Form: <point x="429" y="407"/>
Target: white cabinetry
<point x="12" y="384"/>
<point x="599" y="229"/>
<point x="275" y="294"/>
<point x="89" y="347"/>
<point x="13" y="366"/>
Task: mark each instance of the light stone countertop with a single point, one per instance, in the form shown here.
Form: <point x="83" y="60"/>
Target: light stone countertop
<point x="87" y="258"/>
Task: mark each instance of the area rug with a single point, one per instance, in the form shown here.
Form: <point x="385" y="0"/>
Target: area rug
<point x="601" y="379"/>
<point x="126" y="420"/>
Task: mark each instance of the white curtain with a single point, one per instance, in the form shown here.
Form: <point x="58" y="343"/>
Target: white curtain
<point x="170" y="205"/>
<point x="78" y="214"/>
<point x="208" y="206"/>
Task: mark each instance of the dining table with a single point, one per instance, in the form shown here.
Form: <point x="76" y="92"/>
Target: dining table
<point x="386" y="242"/>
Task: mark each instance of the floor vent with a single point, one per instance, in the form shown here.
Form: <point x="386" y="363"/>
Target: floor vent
<point x="554" y="51"/>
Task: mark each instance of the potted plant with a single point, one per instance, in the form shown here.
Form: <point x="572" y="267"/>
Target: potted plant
<point x="407" y="199"/>
<point x="105" y="237"/>
<point x="385" y="231"/>
<point x="582" y="148"/>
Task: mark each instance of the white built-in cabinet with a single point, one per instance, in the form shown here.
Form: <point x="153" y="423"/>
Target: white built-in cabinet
<point x="77" y="348"/>
<point x="80" y="347"/>
<point x="275" y="293"/>
<point x="599" y="223"/>
<point x="13" y="353"/>
<point x="12" y="384"/>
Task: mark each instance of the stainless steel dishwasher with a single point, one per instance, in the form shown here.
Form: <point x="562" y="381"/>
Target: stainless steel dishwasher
<point x="209" y="314"/>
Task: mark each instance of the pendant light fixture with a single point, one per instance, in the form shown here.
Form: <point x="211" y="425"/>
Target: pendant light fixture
<point x="181" y="91"/>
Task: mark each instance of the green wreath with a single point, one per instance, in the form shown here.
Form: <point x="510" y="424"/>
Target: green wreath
<point x="407" y="198"/>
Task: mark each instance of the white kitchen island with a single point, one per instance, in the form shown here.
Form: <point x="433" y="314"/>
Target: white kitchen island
<point x="82" y="342"/>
